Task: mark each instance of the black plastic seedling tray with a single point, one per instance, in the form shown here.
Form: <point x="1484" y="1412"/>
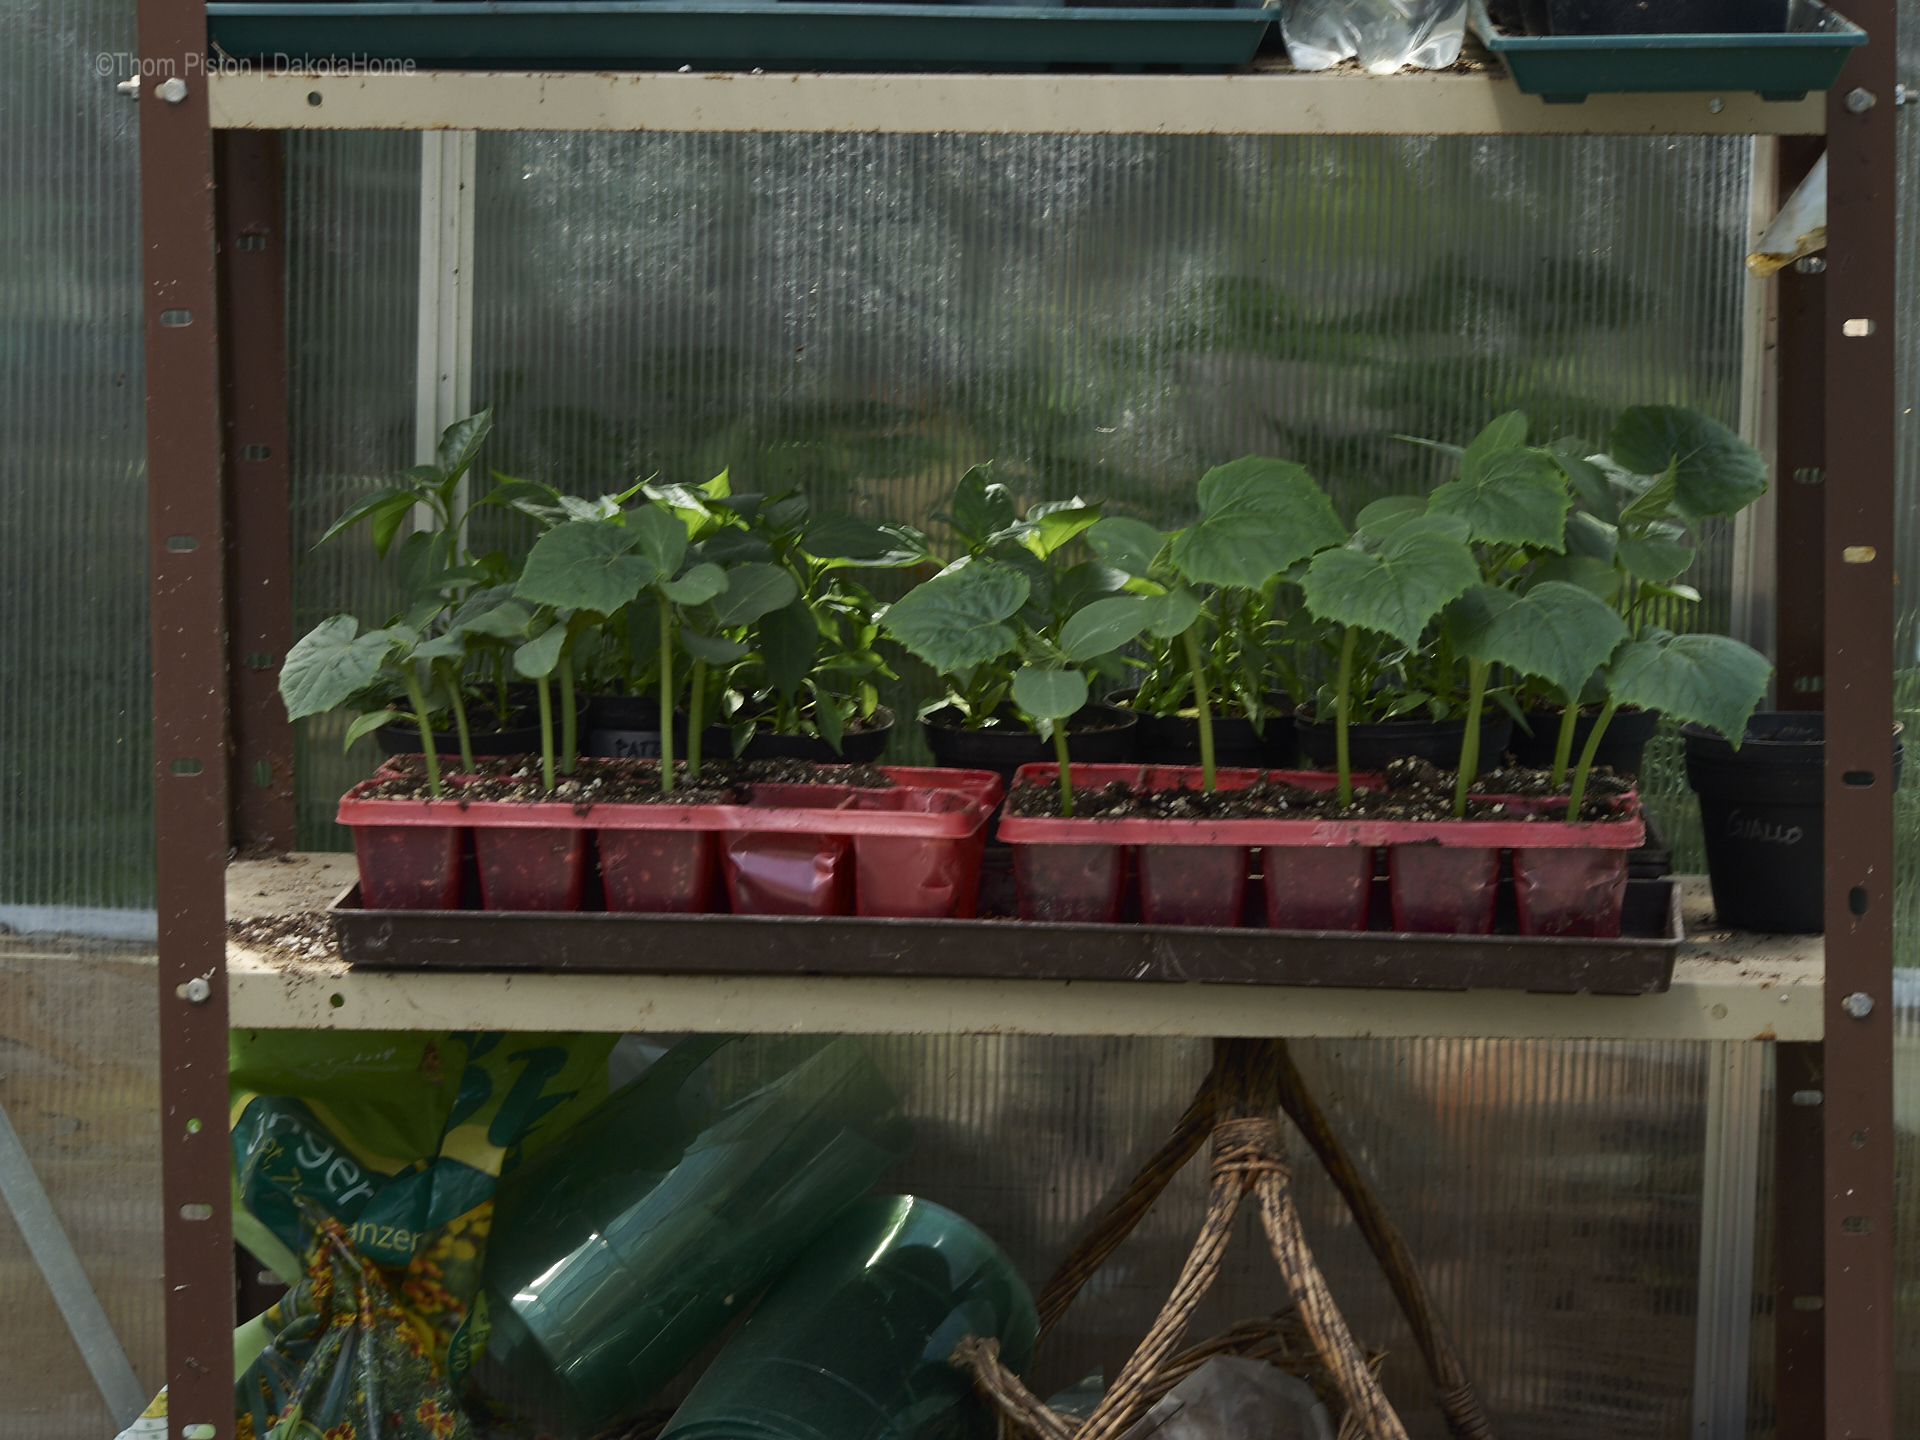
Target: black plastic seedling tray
<point x="1806" y="56"/>
<point x="737" y="34"/>
<point x="1639" y="962"/>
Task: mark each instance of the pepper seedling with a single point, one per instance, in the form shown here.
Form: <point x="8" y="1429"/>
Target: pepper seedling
<point x="1258" y="518"/>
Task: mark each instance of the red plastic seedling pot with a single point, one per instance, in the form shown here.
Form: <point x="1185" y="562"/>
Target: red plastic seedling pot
<point x="1192" y="884"/>
<point x="772" y="872"/>
<point x="920" y="877"/>
<point x="1569" y="892"/>
<point x="657" y="872"/>
<point x="1078" y="883"/>
<point x="1438" y="889"/>
<point x="1317" y="888"/>
<point x="528" y="868"/>
<point x="408" y="867"/>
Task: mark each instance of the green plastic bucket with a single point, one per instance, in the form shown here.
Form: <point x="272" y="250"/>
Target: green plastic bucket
<point x="622" y="1250"/>
<point x="1808" y="55"/>
<point x="853" y="1342"/>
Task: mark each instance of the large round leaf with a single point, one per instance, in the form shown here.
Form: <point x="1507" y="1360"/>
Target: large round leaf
<point x="1554" y="632"/>
<point x="1709" y="679"/>
<point x="956" y="619"/>
<point x="660" y="535"/>
<point x="329" y="663"/>
<point x="587" y="565"/>
<point x="697" y="586"/>
<point x="1715" y="471"/>
<point x="1257" y="517"/>
<point x="1396" y="590"/>
<point x="1508" y="494"/>
<point x="1049" y="694"/>
<point x="789" y="641"/>
<point x="536" y="659"/>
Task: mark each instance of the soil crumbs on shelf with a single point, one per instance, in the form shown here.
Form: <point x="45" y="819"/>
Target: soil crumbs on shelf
<point x="518" y="779"/>
<point x="1415" y="790"/>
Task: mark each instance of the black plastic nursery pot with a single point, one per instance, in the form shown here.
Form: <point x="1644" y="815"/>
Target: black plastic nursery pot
<point x="402" y="738"/>
<point x="1763" y="811"/>
<point x="1622" y="748"/>
<point x="1655" y="17"/>
<point x="1099" y="734"/>
<point x="1175" y="739"/>
<point x="628" y="727"/>
<point x="1376" y="744"/>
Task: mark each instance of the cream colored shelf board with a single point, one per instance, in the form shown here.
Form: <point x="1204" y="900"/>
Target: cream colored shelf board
<point x="1282" y="102"/>
<point x="1726" y="987"/>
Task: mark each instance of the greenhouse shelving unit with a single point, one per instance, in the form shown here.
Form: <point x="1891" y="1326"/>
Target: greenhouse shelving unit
<point x="220" y="569"/>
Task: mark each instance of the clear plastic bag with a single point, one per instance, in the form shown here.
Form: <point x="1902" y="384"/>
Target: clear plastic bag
<point x="1229" y="1398"/>
<point x="1383" y="35"/>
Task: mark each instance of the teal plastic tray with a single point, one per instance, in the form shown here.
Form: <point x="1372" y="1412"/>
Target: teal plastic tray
<point x="1568" y="68"/>
<point x="735" y="34"/>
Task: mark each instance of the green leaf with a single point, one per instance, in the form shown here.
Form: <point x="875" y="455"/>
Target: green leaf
<point x="441" y="647"/>
<point x="714" y="649"/>
<point x="1380" y="519"/>
<point x="387" y="507"/>
<point x="980" y="508"/>
<point x="461" y="441"/>
<point x="1257" y="517"/>
<point x="364" y="725"/>
<point x="586" y="565"/>
<point x="1591" y="537"/>
<point x="1503" y="432"/>
<point x="1595" y="576"/>
<point x="1716" y="472"/>
<point x="1049" y="694"/>
<point x="1709" y="679"/>
<point x="1127" y="544"/>
<point x="658" y="535"/>
<point x="538" y="656"/>
<point x="329" y="663"/>
<point x="956" y="619"/>
<point x="1056" y="522"/>
<point x="789" y="639"/>
<point x="503" y="622"/>
<point x="1554" y="632"/>
<point x="1589" y="481"/>
<point x="1082" y="584"/>
<point x="1104" y="626"/>
<point x="1173" y="613"/>
<point x="734" y="545"/>
<point x="1653" y="503"/>
<point x="848" y="537"/>
<point x="1508" y="497"/>
<point x="752" y="591"/>
<point x="509" y="493"/>
<point x="1655" y="559"/>
<point x="696" y="587"/>
<point x="1395" y="591"/>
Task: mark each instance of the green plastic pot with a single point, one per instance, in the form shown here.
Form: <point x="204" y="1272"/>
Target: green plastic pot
<point x="853" y="1342"/>
<point x="621" y="1251"/>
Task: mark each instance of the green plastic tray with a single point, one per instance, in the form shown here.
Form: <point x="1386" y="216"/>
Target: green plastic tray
<point x="733" y="34"/>
<point x="1568" y="68"/>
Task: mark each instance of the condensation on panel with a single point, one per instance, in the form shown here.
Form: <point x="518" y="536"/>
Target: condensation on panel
<point x="353" y="241"/>
<point x="1550" y="1193"/>
<point x="866" y="316"/>
<point x="75" y="783"/>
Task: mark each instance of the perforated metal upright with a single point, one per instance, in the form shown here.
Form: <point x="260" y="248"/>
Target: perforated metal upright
<point x="217" y="474"/>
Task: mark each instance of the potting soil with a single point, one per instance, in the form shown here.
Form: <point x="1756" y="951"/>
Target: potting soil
<point x="518" y="778"/>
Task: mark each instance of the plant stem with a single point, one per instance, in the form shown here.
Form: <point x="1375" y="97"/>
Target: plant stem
<point x="1470" y="741"/>
<point x="427" y="747"/>
<point x="1341" y="705"/>
<point x="569" y="718"/>
<point x="694" y="708"/>
<point x="500" y="688"/>
<point x="1202" y="702"/>
<point x="1563" y="748"/>
<point x="1066" y="774"/>
<point x="666" y="697"/>
<point x="1586" y="762"/>
<point x="546" y="733"/>
<point x="460" y="720"/>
